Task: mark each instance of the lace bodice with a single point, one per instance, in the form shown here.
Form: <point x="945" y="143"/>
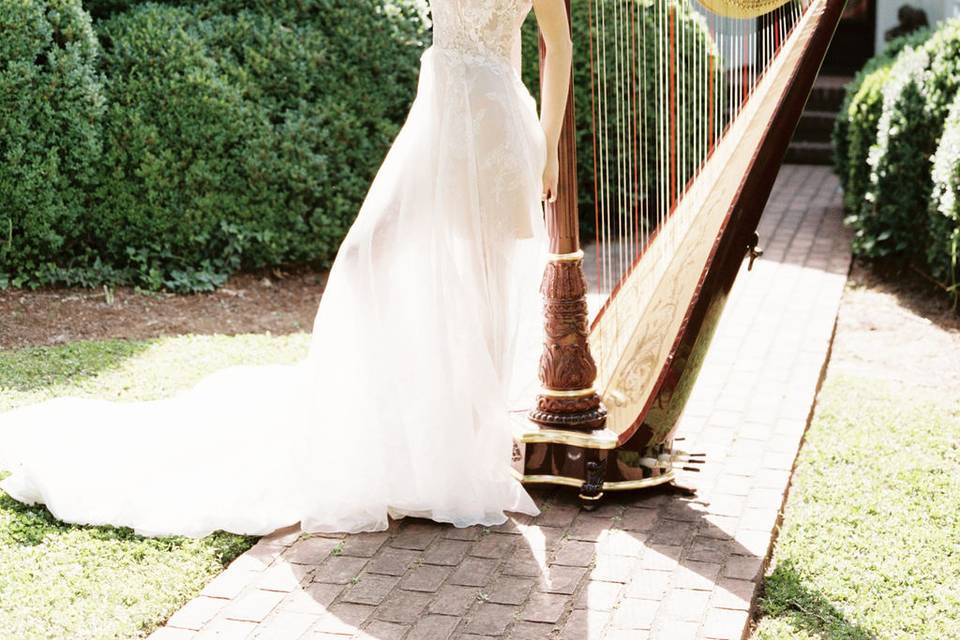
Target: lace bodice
<point x="484" y="27"/>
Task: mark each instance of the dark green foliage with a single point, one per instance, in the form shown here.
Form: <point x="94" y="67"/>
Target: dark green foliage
<point x="897" y="163"/>
<point x="209" y="137"/>
<point x="916" y="98"/>
<point x="51" y="106"/>
<point x="241" y="140"/>
<point x="943" y="252"/>
<point x="214" y="135"/>
<point x="102" y="8"/>
<point x="689" y="31"/>
<point x="899" y="171"/>
<point x="855" y="128"/>
<point x="855" y="132"/>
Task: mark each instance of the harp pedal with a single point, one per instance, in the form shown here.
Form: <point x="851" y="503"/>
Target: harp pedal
<point x="592" y="488"/>
<point x="753" y="251"/>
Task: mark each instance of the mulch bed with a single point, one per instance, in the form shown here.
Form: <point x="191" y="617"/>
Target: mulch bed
<point x="894" y="325"/>
<point x="277" y="303"/>
<point x="886" y="316"/>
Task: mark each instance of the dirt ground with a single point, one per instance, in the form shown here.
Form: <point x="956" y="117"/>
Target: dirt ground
<point x="897" y="327"/>
<point x="278" y="303"/>
<point x="884" y="318"/>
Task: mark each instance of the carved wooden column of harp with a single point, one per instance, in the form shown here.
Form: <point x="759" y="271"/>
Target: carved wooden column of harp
<point x="568" y="372"/>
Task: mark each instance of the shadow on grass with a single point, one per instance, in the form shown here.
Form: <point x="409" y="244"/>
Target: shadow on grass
<point x="788" y="598"/>
<point x="122" y="582"/>
<point x="36" y="368"/>
<point x="25" y="525"/>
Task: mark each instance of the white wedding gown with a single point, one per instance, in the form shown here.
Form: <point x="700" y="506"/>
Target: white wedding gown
<point x="400" y="408"/>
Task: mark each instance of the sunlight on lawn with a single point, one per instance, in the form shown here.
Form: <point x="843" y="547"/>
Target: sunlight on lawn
<point x="60" y="581"/>
<point x="869" y="546"/>
<point x="130" y="370"/>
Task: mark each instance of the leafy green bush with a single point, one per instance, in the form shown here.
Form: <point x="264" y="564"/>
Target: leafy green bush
<point x="225" y="134"/>
<point x="236" y="134"/>
<point x="943" y="250"/>
<point x="855" y="131"/>
<point x="690" y="30"/>
<point x="855" y="128"/>
<point x="51" y="105"/>
<point x="899" y="175"/>
<point x="240" y="140"/>
<point x="916" y="97"/>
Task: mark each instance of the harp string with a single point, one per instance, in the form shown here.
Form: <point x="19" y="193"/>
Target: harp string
<point x="668" y="77"/>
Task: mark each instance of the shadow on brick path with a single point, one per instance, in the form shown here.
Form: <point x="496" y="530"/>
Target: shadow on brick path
<point x="649" y="564"/>
<point x="642" y="564"/>
<point x="811" y="612"/>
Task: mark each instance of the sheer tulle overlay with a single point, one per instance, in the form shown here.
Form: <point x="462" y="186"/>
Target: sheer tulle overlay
<point x="401" y="405"/>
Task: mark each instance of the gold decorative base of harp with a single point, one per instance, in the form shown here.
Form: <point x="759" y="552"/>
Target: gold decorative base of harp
<point x="593" y="462"/>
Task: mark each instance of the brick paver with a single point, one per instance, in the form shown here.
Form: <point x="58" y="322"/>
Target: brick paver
<point x="644" y="565"/>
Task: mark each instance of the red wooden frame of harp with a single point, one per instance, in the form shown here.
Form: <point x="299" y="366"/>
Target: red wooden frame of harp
<point x="596" y="428"/>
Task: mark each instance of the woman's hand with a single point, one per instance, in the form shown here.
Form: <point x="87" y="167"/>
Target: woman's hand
<point x="551" y="172"/>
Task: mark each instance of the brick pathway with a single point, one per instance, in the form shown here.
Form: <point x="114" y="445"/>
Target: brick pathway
<point x="646" y="565"/>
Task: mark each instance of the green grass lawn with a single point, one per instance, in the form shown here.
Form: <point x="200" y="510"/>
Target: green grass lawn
<point x="870" y="544"/>
<point x="60" y="581"/>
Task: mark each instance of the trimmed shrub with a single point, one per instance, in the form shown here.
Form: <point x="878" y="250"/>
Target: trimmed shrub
<point x="899" y="171"/>
<point x="51" y="105"/>
<point x="943" y="250"/>
<point x="855" y="128"/>
<point x="855" y="133"/>
<point x="226" y="134"/>
<point x="248" y="139"/>
<point x="690" y="30"/>
<point x="916" y="98"/>
<point x="237" y="135"/>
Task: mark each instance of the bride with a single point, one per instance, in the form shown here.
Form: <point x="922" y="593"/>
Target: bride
<point x="401" y="406"/>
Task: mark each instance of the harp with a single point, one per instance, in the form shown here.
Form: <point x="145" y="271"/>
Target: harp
<point x="692" y="106"/>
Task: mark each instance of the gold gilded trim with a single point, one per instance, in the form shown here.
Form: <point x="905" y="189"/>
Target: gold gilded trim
<point x="565" y="257"/>
<point x="623" y="485"/>
<point x="570" y="393"/>
<point x="530" y="433"/>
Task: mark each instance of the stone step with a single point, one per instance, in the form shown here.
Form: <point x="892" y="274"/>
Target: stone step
<point x="809" y="153"/>
<point x="815" y="126"/>
<point x="827" y="93"/>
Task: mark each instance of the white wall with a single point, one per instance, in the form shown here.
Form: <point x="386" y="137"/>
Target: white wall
<point x="936" y="10"/>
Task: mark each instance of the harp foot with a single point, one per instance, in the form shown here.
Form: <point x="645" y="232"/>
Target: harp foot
<point x="592" y="489"/>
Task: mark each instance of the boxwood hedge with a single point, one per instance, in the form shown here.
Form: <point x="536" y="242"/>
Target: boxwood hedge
<point x="896" y="153"/>
<point x="51" y="107"/>
<point x="855" y="129"/>
<point x="202" y="137"/>
<point x="916" y="98"/>
<point x="943" y="251"/>
<point x="238" y="140"/>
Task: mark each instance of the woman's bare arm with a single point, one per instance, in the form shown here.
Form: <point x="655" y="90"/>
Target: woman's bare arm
<point x="552" y="18"/>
